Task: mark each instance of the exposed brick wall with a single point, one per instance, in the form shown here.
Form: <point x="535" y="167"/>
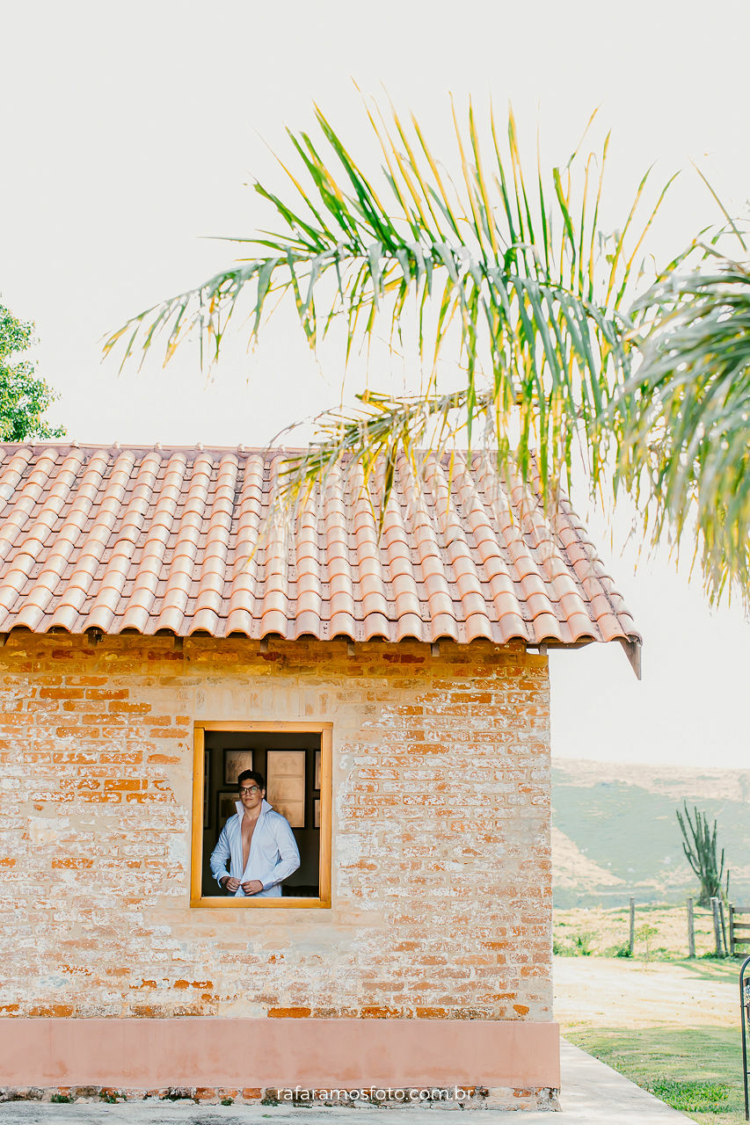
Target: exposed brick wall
<point x="441" y="860"/>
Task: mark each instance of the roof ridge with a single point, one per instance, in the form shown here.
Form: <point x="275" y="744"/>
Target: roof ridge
<point x="203" y="447"/>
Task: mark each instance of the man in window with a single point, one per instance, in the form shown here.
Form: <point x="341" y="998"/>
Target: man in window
<point x="257" y="843"/>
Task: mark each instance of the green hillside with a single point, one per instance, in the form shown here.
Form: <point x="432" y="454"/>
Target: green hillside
<point x="616" y="833"/>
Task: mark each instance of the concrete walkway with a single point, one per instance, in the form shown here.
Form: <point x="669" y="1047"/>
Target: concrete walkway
<point x="592" y="1094"/>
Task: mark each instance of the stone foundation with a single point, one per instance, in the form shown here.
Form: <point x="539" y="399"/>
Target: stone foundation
<point x="469" y="1098"/>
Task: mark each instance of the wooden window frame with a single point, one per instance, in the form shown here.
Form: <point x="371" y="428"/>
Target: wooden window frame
<point x="325" y="730"/>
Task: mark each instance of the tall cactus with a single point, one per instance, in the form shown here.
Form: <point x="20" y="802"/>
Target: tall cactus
<point x="699" y="845"/>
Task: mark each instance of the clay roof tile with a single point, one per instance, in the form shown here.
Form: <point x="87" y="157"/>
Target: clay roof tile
<point x="151" y="539"/>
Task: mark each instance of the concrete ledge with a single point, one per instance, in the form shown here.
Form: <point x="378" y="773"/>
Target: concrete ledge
<point x="349" y="1054"/>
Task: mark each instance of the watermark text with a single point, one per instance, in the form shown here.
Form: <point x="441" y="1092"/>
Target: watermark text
<point x="403" y="1094"/>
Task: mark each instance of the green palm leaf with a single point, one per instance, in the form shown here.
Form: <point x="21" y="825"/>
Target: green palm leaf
<point x="513" y="273"/>
<point x="684" y="417"/>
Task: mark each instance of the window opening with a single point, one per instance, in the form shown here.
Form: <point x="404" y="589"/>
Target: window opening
<point x="295" y="764"/>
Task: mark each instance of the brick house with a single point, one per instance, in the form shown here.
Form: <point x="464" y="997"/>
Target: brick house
<point x="393" y="691"/>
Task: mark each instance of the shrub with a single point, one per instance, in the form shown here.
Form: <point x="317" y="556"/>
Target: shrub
<point x="646" y="933"/>
<point x="578" y="945"/>
<point x="582" y="943"/>
<point x="622" y="950"/>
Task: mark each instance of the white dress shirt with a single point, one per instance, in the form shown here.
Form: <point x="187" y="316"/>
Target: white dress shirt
<point x="273" y="857"/>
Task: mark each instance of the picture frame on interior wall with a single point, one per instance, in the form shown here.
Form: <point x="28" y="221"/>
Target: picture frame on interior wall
<point x="285" y="784"/>
<point x="316" y="813"/>
<point x="317" y="771"/>
<point x="226" y="806"/>
<point x="235" y="762"/>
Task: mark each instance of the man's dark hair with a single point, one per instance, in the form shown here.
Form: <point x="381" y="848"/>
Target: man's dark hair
<point x="251" y="775"/>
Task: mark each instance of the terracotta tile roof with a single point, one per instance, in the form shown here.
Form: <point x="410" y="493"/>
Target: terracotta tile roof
<point x="164" y="539"/>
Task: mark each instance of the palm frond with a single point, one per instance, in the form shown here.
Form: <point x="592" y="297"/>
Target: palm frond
<point x="369" y="438"/>
<point x="685" y="415"/>
<point x="516" y="272"/>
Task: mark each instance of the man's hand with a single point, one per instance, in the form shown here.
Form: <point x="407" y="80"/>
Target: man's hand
<point x="230" y="884"/>
<point x="252" y="887"/>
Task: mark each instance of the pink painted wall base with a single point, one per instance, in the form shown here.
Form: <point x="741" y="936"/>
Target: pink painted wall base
<point x="282" y="1053"/>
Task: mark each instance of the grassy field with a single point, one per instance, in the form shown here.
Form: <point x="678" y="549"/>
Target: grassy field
<point x="696" y="1070"/>
<point x="604" y="932"/>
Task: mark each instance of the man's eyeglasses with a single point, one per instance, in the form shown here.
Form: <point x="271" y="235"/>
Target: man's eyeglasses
<point x="250" y="789"/>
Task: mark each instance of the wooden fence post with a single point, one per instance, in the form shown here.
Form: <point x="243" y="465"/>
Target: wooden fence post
<point x="632" y="926"/>
<point x="723" y="927"/>
<point x="717" y="926"/>
<point x="731" y="930"/>
<point x="691" y="928"/>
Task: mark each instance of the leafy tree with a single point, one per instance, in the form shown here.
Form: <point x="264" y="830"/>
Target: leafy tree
<point x="24" y="399"/>
<point x="701" y="850"/>
<point x="561" y="343"/>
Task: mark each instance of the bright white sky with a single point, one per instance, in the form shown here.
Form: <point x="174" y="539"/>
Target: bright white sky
<point x="129" y="131"/>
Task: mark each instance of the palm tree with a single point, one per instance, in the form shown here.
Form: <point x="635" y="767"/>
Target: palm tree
<point x="556" y="348"/>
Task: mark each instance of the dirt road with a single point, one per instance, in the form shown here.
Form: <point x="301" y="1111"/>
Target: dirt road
<point x="614" y="992"/>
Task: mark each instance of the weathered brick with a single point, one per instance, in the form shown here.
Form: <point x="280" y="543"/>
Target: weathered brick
<point x="441" y="863"/>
